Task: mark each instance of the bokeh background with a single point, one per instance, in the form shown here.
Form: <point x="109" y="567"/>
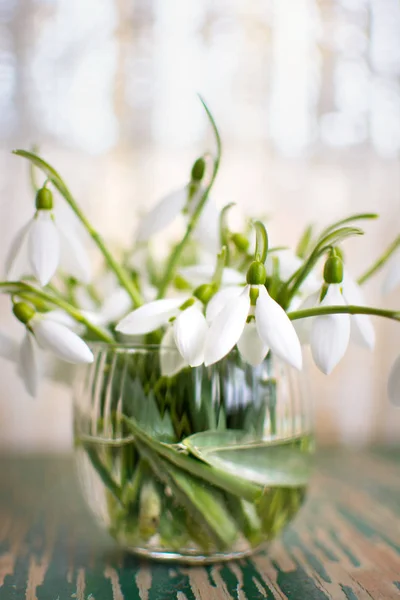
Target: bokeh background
<point x="307" y="97"/>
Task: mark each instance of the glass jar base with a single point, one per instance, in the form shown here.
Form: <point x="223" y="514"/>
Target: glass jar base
<point x="194" y="559"/>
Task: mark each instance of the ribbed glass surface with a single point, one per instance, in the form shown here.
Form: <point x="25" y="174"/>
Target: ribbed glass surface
<point x="207" y="464"/>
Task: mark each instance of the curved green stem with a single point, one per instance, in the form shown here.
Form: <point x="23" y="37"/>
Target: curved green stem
<point x="176" y="253"/>
<point x="350" y="309"/>
<point x="223" y="232"/>
<point x="29" y="292"/>
<point x="356" y="217"/>
<point x="120" y="273"/>
<point x="219" y="267"/>
<point x="292" y="286"/>
<point x="380" y="262"/>
<point x="261" y="242"/>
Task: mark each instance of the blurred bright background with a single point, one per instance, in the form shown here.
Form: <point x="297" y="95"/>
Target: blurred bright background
<point x="307" y="97"/>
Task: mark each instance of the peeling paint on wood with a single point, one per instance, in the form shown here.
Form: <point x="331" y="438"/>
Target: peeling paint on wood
<point x="345" y="544"/>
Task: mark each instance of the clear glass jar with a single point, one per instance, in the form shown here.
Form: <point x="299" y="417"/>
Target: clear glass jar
<point x="207" y="465"/>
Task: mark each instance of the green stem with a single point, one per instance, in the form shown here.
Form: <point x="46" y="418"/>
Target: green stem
<point x="219" y="268"/>
<point x="380" y="262"/>
<point x="350" y="309"/>
<point x="176" y="253"/>
<point x="261" y="242"/>
<point x="29" y="292"/>
<point x="120" y="273"/>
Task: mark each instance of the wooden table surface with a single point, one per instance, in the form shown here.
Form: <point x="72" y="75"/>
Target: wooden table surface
<point x="345" y="543"/>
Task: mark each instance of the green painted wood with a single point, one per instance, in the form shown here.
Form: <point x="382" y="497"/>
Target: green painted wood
<point x="344" y="544"/>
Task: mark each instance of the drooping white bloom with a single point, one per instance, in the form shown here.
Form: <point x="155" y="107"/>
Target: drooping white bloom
<point x="189" y="325"/>
<point x="272" y="326"/>
<point x="44" y="244"/>
<point x="44" y="332"/>
<point x="394" y="383"/>
<point x="361" y="330"/>
<point x="392" y="278"/>
<point x="177" y="203"/>
<point x="330" y="334"/>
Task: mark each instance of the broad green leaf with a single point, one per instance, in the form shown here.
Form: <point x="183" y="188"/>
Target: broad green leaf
<point x="276" y="463"/>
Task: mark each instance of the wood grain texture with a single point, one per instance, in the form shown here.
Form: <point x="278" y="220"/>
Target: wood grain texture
<point x="345" y="544"/>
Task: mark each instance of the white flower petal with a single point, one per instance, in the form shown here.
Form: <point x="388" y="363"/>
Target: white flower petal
<point x="171" y="361"/>
<point x="362" y="330"/>
<point x="394" y="383"/>
<point x="44" y="247"/>
<point x="392" y="278"/>
<point x="276" y="330"/>
<point x="28" y="364"/>
<point x="116" y="306"/>
<point x="198" y="274"/>
<point x="17" y="260"/>
<point x="162" y="215"/>
<point x="60" y="341"/>
<point x="227" y="327"/>
<point x="330" y="334"/>
<point x="190" y="330"/>
<point x="250" y="345"/>
<point x="220" y="300"/>
<point x="303" y="326"/>
<point x="9" y="348"/>
<point x="149" y="317"/>
<point x="74" y="259"/>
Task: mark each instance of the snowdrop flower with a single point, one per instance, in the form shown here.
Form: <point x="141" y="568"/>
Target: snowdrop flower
<point x="392" y="279"/>
<point x="187" y="326"/>
<point x="330" y="334"/>
<point x="42" y="332"/>
<point x="252" y="320"/>
<point x="43" y="244"/>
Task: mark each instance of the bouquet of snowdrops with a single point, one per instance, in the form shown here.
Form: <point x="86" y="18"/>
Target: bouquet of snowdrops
<point x="249" y="300"/>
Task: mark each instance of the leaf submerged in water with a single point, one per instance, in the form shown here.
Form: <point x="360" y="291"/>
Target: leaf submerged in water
<point x="268" y="463"/>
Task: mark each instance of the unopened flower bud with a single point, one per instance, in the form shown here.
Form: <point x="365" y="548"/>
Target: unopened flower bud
<point x="204" y="292"/>
<point x="44" y="199"/>
<point x="24" y="312"/>
<point x="241" y="242"/>
<point x="198" y="169"/>
<point x="333" y="269"/>
<point x="256" y="274"/>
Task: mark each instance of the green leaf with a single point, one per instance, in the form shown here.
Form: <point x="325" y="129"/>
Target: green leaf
<point x="213" y="476"/>
<point x="205" y="506"/>
<point x="350" y="219"/>
<point x="276" y="463"/>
